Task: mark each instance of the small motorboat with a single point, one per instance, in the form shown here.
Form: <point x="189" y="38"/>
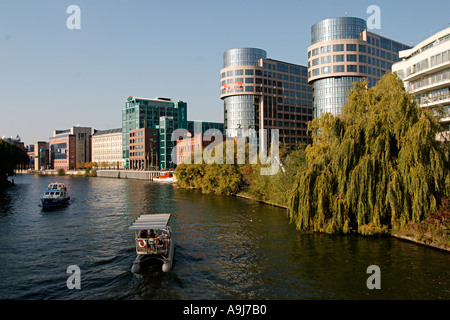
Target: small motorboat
<point x="153" y="240"/>
<point x="56" y="195"/>
<point x="166" y="177"/>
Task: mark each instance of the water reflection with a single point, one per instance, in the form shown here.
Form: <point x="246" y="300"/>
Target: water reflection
<point x="225" y="248"/>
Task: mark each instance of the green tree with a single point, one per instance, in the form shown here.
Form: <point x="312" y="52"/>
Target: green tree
<point x="377" y="165"/>
<point x="213" y="178"/>
<point x="11" y="158"/>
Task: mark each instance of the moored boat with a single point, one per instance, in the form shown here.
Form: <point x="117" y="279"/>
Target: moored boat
<point x="166" y="177"/>
<point x="56" y="195"/>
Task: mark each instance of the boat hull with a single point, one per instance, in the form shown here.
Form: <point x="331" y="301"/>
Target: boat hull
<point x="50" y="203"/>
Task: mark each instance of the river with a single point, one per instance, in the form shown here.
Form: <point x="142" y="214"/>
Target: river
<point x="226" y="248"/>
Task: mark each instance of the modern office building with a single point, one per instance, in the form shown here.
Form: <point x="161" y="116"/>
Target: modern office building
<point x="261" y="93"/>
<point x="144" y="113"/>
<point x="342" y="52"/>
<point x="69" y="148"/>
<point x="425" y="71"/>
<point x="144" y="149"/>
<point x="107" y="148"/>
<point x="41" y="155"/>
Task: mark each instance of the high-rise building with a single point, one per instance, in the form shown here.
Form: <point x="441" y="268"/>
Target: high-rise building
<point x="425" y="71"/>
<point x="342" y="52"/>
<point x="69" y="148"/>
<point x="261" y="93"/>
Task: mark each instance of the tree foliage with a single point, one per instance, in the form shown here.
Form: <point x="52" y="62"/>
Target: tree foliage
<point x="376" y="165"/>
<point x="11" y="158"/>
<point x="277" y="189"/>
<point x="223" y="179"/>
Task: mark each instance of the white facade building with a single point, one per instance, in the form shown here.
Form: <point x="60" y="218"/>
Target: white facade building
<point x="107" y="148"/>
<point x="425" y="71"/>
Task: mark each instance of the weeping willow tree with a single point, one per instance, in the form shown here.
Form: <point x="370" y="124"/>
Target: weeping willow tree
<point x="375" y="166"/>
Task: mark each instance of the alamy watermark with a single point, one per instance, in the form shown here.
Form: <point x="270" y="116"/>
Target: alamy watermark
<point x="74" y="280"/>
<point x="73" y="22"/>
<point x="374" y="21"/>
<point x="214" y="153"/>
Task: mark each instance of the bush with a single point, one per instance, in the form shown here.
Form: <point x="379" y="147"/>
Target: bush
<point x="61" y="172"/>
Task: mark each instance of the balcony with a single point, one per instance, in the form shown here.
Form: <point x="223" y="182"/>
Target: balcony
<point x="435" y="67"/>
<point x="441" y="99"/>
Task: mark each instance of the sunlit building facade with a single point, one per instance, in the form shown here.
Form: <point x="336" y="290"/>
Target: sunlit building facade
<point x="261" y="93"/>
<point x="343" y="52"/>
<point x="425" y="71"/>
<point x="107" y="148"/>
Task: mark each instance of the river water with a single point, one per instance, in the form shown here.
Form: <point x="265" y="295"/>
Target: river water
<point x="226" y="248"/>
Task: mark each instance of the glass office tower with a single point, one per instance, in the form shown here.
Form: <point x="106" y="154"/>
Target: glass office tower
<point x="343" y="52"/>
<point x="144" y="113"/>
<point x="239" y="110"/>
<point x="262" y="93"/>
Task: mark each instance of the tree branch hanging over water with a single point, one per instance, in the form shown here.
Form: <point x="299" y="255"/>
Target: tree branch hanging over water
<point x="377" y="165"/>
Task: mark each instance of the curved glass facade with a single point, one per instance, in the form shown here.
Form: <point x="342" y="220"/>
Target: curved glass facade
<point x="337" y="28"/>
<point x="330" y="94"/>
<point x="243" y="57"/>
<point x="239" y="114"/>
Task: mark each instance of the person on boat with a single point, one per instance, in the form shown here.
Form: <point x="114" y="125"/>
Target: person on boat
<point x="143" y="234"/>
<point x="152" y="234"/>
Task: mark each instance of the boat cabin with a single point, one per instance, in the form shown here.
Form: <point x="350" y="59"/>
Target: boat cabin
<point x="152" y="234"/>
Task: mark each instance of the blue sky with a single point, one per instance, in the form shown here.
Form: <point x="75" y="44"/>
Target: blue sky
<point x="54" y="78"/>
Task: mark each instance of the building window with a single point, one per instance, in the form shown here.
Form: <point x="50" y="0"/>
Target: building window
<point x="315" y="62"/>
<point x="326" y="59"/>
<point x="352" y="68"/>
<point x="315" y="52"/>
<point x="351" y="57"/>
<point x="326" y="70"/>
<point x="249" y="72"/>
<point x="338" y="47"/>
<point x="325" y="49"/>
<point x="340" y="68"/>
<point x="351" y="47"/>
<point x="338" y="58"/>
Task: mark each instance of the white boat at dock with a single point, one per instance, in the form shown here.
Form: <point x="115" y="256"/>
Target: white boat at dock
<point x="56" y="195"/>
<point x="154" y="240"/>
<point x="166" y="177"/>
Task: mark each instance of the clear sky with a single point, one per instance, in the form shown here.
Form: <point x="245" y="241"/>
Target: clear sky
<point x="54" y="78"/>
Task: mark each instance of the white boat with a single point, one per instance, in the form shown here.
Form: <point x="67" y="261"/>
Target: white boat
<point x="153" y="240"/>
<point x="166" y="177"/>
<point x="55" y="195"/>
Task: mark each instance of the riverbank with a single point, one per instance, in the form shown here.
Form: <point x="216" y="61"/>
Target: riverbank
<point x="102" y="173"/>
<point x="432" y="232"/>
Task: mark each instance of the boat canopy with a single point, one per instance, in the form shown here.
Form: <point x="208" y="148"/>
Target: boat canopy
<point x="151" y="221"/>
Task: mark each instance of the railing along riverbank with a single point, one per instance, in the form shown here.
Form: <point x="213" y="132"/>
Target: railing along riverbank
<point x="119" y="174"/>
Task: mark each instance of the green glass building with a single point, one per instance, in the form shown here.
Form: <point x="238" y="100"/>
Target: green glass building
<point x="159" y="113"/>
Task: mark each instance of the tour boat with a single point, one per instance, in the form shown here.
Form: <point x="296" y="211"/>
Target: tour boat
<point x="55" y="195"/>
<point x="166" y="177"/>
<point x="154" y="240"/>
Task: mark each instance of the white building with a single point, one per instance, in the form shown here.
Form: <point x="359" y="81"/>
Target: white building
<point x="107" y="148"/>
<point x="425" y="71"/>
